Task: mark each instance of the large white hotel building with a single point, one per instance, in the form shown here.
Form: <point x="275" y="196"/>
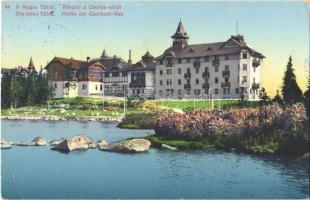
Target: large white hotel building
<point x="228" y="69"/>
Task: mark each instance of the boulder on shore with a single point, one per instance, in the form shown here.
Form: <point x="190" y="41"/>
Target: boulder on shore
<point x="38" y="141"/>
<point x="5" y="144"/>
<point x="166" y="146"/>
<point x="55" y="142"/>
<point x="75" y="143"/>
<point x="102" y="144"/>
<point x="128" y="146"/>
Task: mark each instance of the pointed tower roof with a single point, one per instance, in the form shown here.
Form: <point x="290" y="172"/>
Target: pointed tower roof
<point x="147" y="55"/>
<point x="180" y="32"/>
<point x="104" y="54"/>
<point x="30" y="65"/>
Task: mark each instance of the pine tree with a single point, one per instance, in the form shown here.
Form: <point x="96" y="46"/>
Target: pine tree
<point x="290" y="90"/>
<point x="277" y="99"/>
<point x="264" y="96"/>
<point x="307" y="98"/>
<point x="6" y="90"/>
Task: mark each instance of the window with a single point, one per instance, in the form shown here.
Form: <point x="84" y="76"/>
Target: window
<point x="197" y="81"/>
<point x="84" y="86"/>
<point x="188" y="70"/>
<point x="115" y="74"/>
<point x="226" y="80"/>
<point x="216" y="91"/>
<point x="161" y="82"/>
<point x="206" y="69"/>
<point x="226" y="67"/>
<point x="244" y="79"/>
<point x="206" y="58"/>
<point x="227" y="90"/>
<point x="124" y="73"/>
<point x="245" y="67"/>
<point x="179" y="60"/>
<point x="133" y="91"/>
<point x="188" y="60"/>
<point x="55" y="85"/>
<point x="161" y="62"/>
<point x="224" y="91"/>
<point x="100" y="87"/>
<point x="106" y="74"/>
<point x="179" y="92"/>
<point x="226" y="57"/>
<point x="160" y="92"/>
<point x="216" y="68"/>
<point x="169" y="71"/>
<point x="169" y="62"/>
<point x="237" y="90"/>
<point x="96" y="87"/>
<point x="179" y="71"/>
<point x="161" y="72"/>
<point x="142" y="91"/>
<point x="244" y="55"/>
<point x="179" y="82"/>
<point x="254" y="69"/>
<point x="197" y="70"/>
<point x="169" y="81"/>
<point x="216" y="80"/>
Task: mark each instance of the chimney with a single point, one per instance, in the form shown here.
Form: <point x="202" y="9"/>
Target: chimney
<point x="129" y="59"/>
<point x="87" y="59"/>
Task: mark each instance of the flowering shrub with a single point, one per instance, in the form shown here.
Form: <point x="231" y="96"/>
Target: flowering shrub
<point x="200" y="123"/>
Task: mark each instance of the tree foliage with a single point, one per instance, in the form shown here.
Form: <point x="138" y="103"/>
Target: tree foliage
<point x="24" y="89"/>
<point x="290" y="90"/>
<point x="307" y="98"/>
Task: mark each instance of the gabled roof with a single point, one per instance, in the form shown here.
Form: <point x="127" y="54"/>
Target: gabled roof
<point x="75" y="64"/>
<point x="208" y="49"/>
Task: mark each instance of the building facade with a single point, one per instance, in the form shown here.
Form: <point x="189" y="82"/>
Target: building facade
<point x="229" y="69"/>
<point x="220" y="70"/>
<point x="141" y="77"/>
<point x="75" y="78"/>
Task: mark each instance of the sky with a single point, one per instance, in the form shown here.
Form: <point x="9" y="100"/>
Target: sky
<point x="275" y="29"/>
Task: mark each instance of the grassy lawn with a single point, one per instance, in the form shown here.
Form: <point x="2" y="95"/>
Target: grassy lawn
<point x="39" y="111"/>
<point x="204" y="104"/>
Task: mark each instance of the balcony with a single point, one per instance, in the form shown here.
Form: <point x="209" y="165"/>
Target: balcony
<point x="196" y="64"/>
<point x="205" y="86"/>
<point x="137" y="84"/>
<point x="225" y="84"/>
<point x="256" y="62"/>
<point x="255" y="86"/>
<point x="169" y="64"/>
<point x="187" y="75"/>
<point x="205" y="74"/>
<point x="187" y="86"/>
<point x="226" y="73"/>
<point x="216" y="62"/>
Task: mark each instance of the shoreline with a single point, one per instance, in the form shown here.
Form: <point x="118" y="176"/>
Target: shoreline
<point x="60" y="118"/>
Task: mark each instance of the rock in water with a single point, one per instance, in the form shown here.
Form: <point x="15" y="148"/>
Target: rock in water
<point x="75" y="143"/>
<point x="133" y="145"/>
<point x="166" y="146"/>
<point x="39" y="141"/>
<point x="5" y="144"/>
<point x="102" y="144"/>
<point x="54" y="142"/>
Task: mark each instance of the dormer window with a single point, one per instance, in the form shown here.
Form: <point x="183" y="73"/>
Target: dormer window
<point x="188" y="60"/>
<point x="244" y="55"/>
<point x="169" y="62"/>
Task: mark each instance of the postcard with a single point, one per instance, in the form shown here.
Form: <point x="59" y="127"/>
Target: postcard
<point x="155" y="99"/>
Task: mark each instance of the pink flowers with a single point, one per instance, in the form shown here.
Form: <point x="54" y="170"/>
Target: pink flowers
<point x="199" y="123"/>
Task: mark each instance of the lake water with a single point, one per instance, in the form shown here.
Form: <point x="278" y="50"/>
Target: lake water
<point x="38" y="172"/>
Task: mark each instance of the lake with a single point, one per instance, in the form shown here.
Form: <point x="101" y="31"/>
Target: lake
<point x="38" y="172"/>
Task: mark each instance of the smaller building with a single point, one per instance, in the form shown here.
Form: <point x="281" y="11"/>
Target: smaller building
<point x="141" y="77"/>
<point x="75" y="78"/>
